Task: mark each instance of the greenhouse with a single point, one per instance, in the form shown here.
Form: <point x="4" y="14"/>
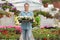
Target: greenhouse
<point x="29" y="19"/>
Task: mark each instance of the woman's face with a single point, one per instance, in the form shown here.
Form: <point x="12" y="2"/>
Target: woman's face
<point x="26" y="7"/>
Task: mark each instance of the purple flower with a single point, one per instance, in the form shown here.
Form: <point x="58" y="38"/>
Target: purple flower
<point x="10" y="4"/>
<point x="14" y="8"/>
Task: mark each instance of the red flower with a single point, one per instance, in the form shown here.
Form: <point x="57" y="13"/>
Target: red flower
<point x="4" y="32"/>
<point x="45" y="39"/>
<point x="0" y="30"/>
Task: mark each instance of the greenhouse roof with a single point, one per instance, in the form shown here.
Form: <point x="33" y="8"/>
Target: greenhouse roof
<point x="20" y="3"/>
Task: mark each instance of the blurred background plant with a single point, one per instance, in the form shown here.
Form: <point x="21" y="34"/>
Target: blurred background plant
<point x="10" y="32"/>
<point x="46" y="34"/>
<point x="37" y="14"/>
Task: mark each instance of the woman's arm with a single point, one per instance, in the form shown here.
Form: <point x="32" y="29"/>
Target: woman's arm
<point x="32" y="17"/>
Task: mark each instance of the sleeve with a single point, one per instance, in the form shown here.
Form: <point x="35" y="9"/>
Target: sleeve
<point x="32" y="14"/>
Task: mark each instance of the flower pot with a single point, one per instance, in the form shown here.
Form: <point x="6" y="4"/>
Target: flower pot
<point x="8" y="15"/>
<point x="45" y="5"/>
<point x="1" y="15"/>
<point x="58" y="31"/>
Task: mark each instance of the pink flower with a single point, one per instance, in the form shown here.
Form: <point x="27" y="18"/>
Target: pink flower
<point x="10" y="26"/>
<point x="18" y="28"/>
<point x="41" y="27"/>
<point x="2" y="26"/>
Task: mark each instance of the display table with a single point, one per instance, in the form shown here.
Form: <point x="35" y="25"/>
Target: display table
<point x="7" y="20"/>
<point x="10" y="32"/>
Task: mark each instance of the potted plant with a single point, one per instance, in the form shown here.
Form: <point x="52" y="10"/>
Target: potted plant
<point x="37" y="18"/>
<point x="8" y="14"/>
<point x="45" y="3"/>
<point x="53" y="9"/>
<point x="26" y="18"/>
<point x="2" y="13"/>
<point x="7" y="5"/>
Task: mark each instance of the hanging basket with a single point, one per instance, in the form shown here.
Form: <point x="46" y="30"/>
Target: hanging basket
<point x="45" y="5"/>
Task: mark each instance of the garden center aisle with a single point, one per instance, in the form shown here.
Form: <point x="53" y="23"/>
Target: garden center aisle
<point x="46" y="25"/>
<point x="19" y="5"/>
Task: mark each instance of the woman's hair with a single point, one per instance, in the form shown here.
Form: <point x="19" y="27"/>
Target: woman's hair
<point x="26" y="4"/>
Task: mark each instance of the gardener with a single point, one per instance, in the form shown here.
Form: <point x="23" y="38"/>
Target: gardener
<point x="26" y="26"/>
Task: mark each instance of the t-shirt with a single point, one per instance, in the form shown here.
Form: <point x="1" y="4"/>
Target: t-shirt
<point x="26" y="25"/>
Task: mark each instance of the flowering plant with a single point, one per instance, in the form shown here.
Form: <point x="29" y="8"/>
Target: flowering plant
<point x="7" y="5"/>
<point x="8" y="14"/>
<point x="46" y="34"/>
<point x="26" y="18"/>
<point x="8" y="32"/>
<point x="2" y="13"/>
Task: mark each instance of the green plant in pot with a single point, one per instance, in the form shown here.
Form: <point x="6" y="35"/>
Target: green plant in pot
<point x="16" y="12"/>
<point x="37" y="18"/>
<point x="45" y="3"/>
<point x="6" y="5"/>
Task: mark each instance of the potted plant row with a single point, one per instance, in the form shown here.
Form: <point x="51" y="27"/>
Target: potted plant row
<point x="46" y="34"/>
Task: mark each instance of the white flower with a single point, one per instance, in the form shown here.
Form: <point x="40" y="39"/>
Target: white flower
<point x="30" y="17"/>
<point x="26" y="17"/>
<point x="21" y="16"/>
